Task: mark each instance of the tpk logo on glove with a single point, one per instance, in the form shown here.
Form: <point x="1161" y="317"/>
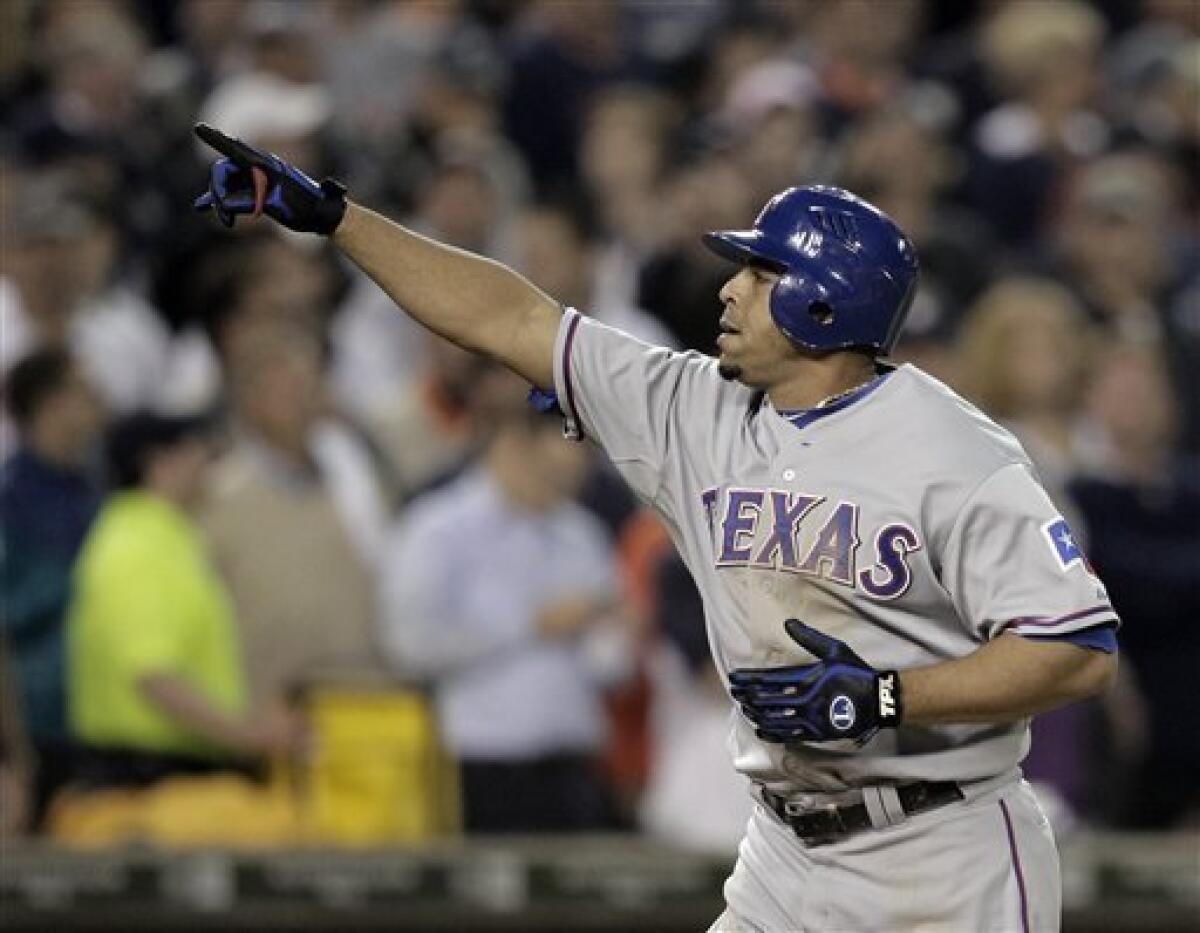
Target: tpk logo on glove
<point x="887" y="695"/>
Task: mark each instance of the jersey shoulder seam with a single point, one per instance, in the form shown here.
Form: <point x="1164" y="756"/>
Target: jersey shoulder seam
<point x="969" y="497"/>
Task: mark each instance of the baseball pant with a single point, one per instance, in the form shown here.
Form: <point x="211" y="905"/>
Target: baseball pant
<point x="987" y="864"/>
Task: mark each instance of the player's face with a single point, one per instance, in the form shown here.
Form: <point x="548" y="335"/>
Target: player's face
<point x="752" y="349"/>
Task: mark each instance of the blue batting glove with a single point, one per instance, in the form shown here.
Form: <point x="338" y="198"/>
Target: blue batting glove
<point x="251" y="181"/>
<point x="839" y="697"/>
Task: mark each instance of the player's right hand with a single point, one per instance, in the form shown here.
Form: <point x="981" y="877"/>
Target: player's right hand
<point x="841" y="696"/>
<point x="251" y="181"/>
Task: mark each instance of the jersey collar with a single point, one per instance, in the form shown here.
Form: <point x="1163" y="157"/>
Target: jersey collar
<point x="803" y="417"/>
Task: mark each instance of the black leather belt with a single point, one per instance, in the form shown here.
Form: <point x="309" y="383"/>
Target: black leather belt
<point x="830" y="824"/>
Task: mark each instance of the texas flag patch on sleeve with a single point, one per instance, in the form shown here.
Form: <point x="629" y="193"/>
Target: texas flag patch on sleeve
<point x="1063" y="544"/>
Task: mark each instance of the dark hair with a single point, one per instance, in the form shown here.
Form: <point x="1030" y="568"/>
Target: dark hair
<point x="576" y="212"/>
<point x="34" y="380"/>
<point x="222" y="279"/>
<point x="135" y="438"/>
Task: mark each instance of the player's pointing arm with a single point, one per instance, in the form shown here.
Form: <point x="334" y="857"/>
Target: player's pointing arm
<point x="477" y="303"/>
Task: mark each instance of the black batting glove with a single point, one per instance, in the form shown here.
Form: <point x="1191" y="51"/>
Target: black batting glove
<point x="251" y="181"/>
<point x="839" y="697"/>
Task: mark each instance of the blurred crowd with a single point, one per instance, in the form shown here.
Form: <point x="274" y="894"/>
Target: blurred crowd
<point x="231" y="469"/>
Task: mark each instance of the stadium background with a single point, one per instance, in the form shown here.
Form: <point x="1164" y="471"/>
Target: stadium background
<point x="1044" y="155"/>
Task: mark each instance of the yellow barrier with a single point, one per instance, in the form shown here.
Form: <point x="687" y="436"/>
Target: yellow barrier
<point x="378" y="772"/>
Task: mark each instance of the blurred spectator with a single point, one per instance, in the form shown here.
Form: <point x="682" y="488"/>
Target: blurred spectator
<point x="1117" y="242"/>
<point x="294" y="519"/>
<point x="740" y="42"/>
<point x="1155" y="73"/>
<point x="564" y="52"/>
<point x="47" y="502"/>
<point x="668" y="38"/>
<point x="61" y="289"/>
<point x="279" y="280"/>
<point x="1124" y="248"/>
<point x="858" y="50"/>
<point x="83" y="113"/>
<point x="402" y="75"/>
<point x="694" y="798"/>
<point x="1043" y="58"/>
<point x="40" y="280"/>
<point x="457" y="119"/>
<point x="376" y="351"/>
<point x="156" y="683"/>
<point x="227" y="286"/>
<point x="460" y="203"/>
<point x="208" y="31"/>
<point x="513" y="655"/>
<point x="92" y="55"/>
<point x="775" y="133"/>
<point x="1142" y="504"/>
<point x="283" y="39"/>
<point x="378" y="61"/>
<point x="425" y="429"/>
<point x="951" y="64"/>
<point x="555" y="250"/>
<point x="119" y="336"/>
<point x="1026" y="350"/>
<point x="628" y="134"/>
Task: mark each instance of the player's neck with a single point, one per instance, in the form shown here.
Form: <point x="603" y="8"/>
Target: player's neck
<point x="816" y="380"/>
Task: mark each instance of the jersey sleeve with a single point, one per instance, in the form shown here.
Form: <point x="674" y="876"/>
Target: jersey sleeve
<point x="1011" y="564"/>
<point x="632" y="399"/>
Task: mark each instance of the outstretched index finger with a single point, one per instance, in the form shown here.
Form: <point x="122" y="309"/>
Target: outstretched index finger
<point x="227" y="145"/>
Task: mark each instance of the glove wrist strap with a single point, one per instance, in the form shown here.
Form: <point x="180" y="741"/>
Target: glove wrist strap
<point x="889" y="698"/>
<point x="331" y="208"/>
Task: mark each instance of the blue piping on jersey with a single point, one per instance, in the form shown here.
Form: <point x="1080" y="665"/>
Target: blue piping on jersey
<point x="806" y="416"/>
<point x="1099" y="637"/>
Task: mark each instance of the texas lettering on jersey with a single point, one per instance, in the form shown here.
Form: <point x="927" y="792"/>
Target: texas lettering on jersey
<point x="794" y="532"/>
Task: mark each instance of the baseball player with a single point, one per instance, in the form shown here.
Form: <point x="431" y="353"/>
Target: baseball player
<point x="887" y="587"/>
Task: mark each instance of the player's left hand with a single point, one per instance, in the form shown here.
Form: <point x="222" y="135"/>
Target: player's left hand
<point x="253" y="181"/>
<point x="839" y="697"/>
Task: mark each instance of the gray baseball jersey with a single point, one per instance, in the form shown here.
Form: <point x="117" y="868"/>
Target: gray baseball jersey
<point x="899" y="520"/>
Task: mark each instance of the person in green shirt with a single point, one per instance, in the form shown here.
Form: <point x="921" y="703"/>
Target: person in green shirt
<point x="155" y="682"/>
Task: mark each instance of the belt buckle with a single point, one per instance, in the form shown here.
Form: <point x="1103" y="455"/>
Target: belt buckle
<point x="803" y="809"/>
<point x="832" y="829"/>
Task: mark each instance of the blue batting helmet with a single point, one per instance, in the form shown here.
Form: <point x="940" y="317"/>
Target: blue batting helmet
<point x="848" y="273"/>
